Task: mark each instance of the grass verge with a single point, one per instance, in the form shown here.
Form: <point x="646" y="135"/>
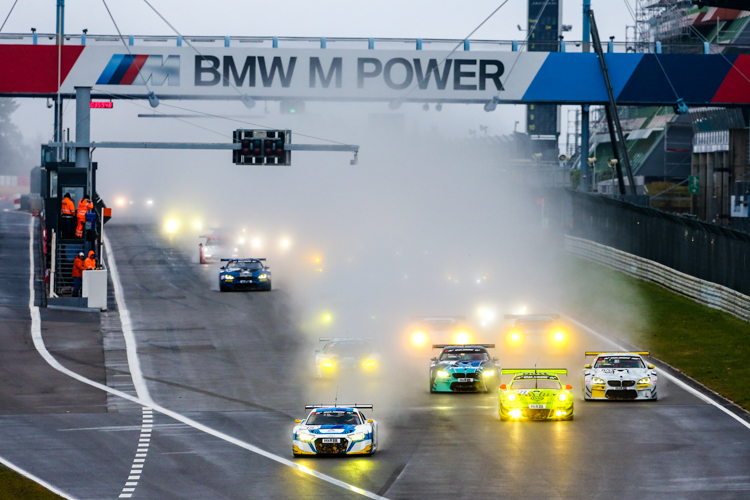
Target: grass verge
<point x="711" y="346"/>
<point x="14" y="486"/>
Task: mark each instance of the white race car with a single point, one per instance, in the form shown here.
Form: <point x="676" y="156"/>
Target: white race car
<point x="619" y="375"/>
<point x="339" y="429"/>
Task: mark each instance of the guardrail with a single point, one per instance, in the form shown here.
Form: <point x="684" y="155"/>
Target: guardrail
<point x="701" y="291"/>
<point x="363" y="42"/>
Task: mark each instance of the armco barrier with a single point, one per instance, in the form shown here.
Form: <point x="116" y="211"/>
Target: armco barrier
<point x="704" y="292"/>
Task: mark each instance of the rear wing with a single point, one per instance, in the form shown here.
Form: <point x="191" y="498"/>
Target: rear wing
<point x="513" y="371"/>
<point x="439" y="320"/>
<point x="443" y="346"/>
<point x="332" y="339"/>
<point x="339" y="405"/>
<point x="229" y="260"/>
<point x="532" y="316"/>
<point x="640" y="353"/>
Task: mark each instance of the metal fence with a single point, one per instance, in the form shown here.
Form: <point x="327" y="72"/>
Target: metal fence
<point x="705" y="251"/>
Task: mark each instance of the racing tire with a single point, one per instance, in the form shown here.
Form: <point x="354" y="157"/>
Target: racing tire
<point x="267" y="288"/>
<point x="503" y="419"/>
<point x="222" y="288"/>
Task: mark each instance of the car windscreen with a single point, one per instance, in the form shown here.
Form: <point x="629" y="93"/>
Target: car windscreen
<point x="348" y="348"/>
<point x="529" y="383"/>
<point x="333" y="418"/>
<point x="245" y="265"/>
<point x="464" y="355"/>
<point x="619" y="362"/>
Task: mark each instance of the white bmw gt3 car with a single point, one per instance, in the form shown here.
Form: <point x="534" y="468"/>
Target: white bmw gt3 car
<point x="340" y="429"/>
<point x="619" y="375"/>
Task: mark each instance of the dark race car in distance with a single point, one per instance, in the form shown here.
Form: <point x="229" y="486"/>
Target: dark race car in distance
<point x="244" y="274"/>
<point x="350" y="355"/>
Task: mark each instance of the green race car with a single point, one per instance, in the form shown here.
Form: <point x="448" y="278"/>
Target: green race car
<point x="535" y="394"/>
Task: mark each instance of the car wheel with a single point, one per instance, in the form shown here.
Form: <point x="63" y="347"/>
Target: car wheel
<point x="268" y="287"/>
<point x="222" y="288"/>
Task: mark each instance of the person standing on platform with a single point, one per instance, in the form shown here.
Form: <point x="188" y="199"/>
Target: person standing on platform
<point x="77" y="274"/>
<point x="67" y="211"/>
<point x="90" y="263"/>
<point x="83" y="207"/>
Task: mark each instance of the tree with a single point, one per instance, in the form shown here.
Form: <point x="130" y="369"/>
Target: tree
<point x="14" y="156"/>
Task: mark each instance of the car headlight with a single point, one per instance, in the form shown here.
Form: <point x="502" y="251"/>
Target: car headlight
<point x="645" y="380"/>
<point x="357" y="437"/>
<point x="442" y="374"/>
<point x="512" y="397"/>
<point x="369" y="364"/>
<point x="596" y="380"/>
<point x="305" y="437"/>
<point x="488" y="373"/>
<point x="559" y="336"/>
<point x="229" y="277"/>
<point x="263" y="276"/>
<point x="327" y="364"/>
<point x="206" y="254"/>
<point x="515" y="413"/>
<point x="562" y="396"/>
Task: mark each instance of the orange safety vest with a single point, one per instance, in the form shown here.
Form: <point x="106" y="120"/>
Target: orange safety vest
<point x="68" y="207"/>
<point x="89" y="263"/>
<point x="77" y="267"/>
<point x="84" y="206"/>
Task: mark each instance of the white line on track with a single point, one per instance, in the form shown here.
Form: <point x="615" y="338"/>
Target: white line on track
<point x="672" y="378"/>
<point x="36" y="335"/>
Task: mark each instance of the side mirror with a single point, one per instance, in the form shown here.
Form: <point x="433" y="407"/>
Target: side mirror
<point x="651" y="367"/>
<point x="222" y="267"/>
<point x="200" y="244"/>
<point x="433" y="359"/>
<point x="503" y="387"/>
<point x="569" y="387"/>
<point x="298" y="421"/>
<point x="370" y="421"/>
<point x="267" y="268"/>
<point x="587" y="366"/>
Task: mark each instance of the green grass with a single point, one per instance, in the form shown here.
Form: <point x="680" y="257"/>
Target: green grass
<point x="709" y="345"/>
<point x="14" y="486"/>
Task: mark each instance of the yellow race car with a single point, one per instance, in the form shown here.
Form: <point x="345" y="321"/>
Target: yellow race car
<point x="535" y="394"/>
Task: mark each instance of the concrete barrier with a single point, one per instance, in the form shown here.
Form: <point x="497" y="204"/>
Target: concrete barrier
<point x="95" y="288"/>
<point x="704" y="292"/>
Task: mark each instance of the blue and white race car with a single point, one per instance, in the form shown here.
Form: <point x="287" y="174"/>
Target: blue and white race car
<point x="244" y="274"/>
<point x="335" y="430"/>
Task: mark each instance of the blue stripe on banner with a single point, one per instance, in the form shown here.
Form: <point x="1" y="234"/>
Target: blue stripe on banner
<point x="106" y="75"/>
<point x="577" y="78"/>
<point x="122" y="69"/>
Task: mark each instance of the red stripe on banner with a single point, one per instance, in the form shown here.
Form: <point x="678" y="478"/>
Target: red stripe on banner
<point x="133" y="70"/>
<point x="32" y="69"/>
<point x="736" y="85"/>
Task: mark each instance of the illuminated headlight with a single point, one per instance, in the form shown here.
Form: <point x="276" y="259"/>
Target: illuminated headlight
<point x="418" y="338"/>
<point x="306" y="437"/>
<point x="512" y="397"/>
<point x="646" y="381"/>
<point x="562" y="396"/>
<point x="597" y="381"/>
<point x="206" y="254"/>
<point x="515" y="413"/>
<point x="229" y="277"/>
<point x="327" y="364"/>
<point x="369" y="364"/>
<point x="357" y="437"/>
<point x="559" y="336"/>
<point x="489" y="373"/>
<point x="442" y="374"/>
<point x="263" y="276"/>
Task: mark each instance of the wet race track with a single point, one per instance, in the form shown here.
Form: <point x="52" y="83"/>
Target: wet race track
<point x="241" y="365"/>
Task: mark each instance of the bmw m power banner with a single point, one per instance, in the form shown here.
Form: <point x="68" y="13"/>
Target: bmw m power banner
<point x="374" y="75"/>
